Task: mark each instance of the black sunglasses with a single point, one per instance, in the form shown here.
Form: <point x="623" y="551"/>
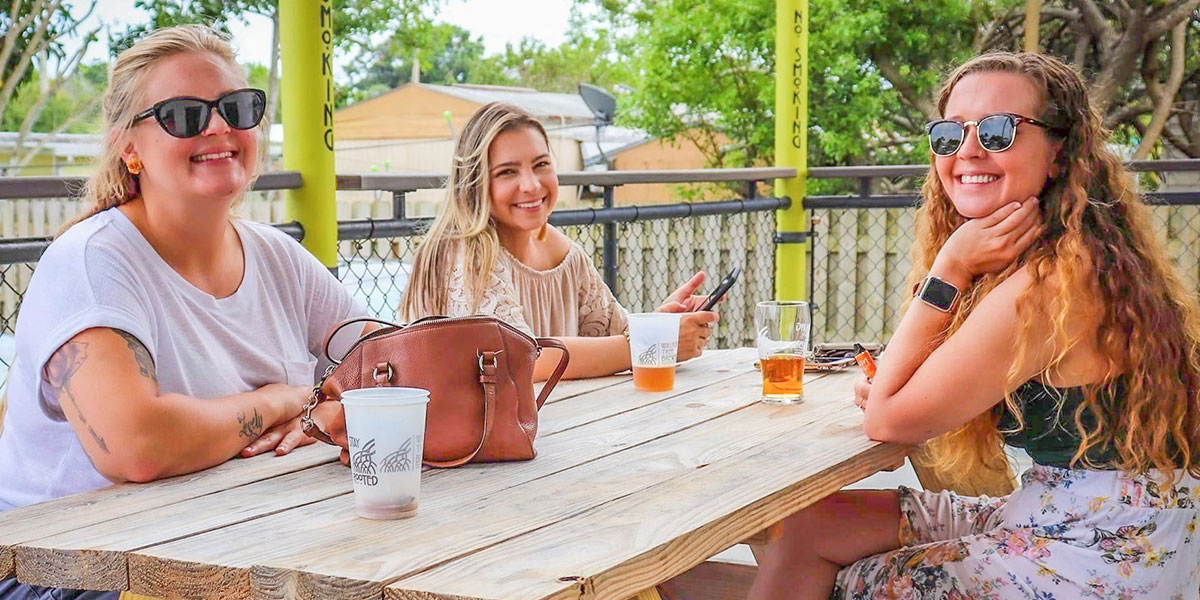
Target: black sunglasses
<point x="186" y="117"/>
<point x="996" y="132"/>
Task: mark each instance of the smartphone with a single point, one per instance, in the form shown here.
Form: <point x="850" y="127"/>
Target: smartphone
<point x="718" y="293"/>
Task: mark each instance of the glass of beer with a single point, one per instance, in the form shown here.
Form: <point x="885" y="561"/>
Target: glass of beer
<point x="653" y="347"/>
<point x="782" y="339"/>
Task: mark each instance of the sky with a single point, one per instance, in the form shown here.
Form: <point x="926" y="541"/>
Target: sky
<point x="497" y="21"/>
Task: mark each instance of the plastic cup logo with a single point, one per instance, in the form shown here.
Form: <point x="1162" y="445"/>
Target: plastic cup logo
<point x="660" y="354"/>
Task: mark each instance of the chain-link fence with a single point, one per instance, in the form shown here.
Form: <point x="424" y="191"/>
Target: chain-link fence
<point x="653" y="258"/>
<point x="859" y="256"/>
<point x="376" y="271"/>
<point x="859" y="261"/>
<point x="14" y="277"/>
<point x="860" y="264"/>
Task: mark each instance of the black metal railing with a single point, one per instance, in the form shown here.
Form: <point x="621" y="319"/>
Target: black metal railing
<point x="644" y="252"/>
<point x="858" y="252"/>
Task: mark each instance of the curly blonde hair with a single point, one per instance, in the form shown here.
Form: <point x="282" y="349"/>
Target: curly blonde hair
<point x="1098" y="248"/>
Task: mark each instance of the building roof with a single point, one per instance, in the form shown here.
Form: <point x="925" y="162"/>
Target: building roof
<point x="418" y="110"/>
<point x="613" y="139"/>
<point x="546" y="106"/>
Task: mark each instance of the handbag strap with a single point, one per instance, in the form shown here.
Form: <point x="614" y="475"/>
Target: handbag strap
<point x="558" y="371"/>
<point x="487" y="378"/>
<point x="340" y="326"/>
<point x="344" y="324"/>
<point x="312" y="430"/>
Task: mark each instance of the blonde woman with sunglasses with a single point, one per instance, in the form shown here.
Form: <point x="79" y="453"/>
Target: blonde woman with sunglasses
<point x="1046" y="316"/>
<point x="160" y="335"/>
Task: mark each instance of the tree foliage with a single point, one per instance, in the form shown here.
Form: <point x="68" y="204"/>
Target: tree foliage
<point x="39" y="73"/>
<point x="585" y="57"/>
<point x="355" y="22"/>
<point x="357" y="27"/>
<point x="60" y="108"/>
<point x="445" y="54"/>
<point x="700" y="69"/>
<point x="448" y="54"/>
<point x="706" y="68"/>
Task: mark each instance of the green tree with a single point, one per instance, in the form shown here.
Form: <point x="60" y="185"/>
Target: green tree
<point x="585" y="57"/>
<point x="448" y="54"/>
<point x="705" y="69"/>
<point x="875" y="68"/>
<point x="39" y="73"/>
<point x="1187" y="134"/>
<point x="60" y="112"/>
<point x="445" y="54"/>
<point x="357" y="25"/>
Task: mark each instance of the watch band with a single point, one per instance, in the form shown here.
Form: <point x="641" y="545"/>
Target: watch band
<point x="938" y="293"/>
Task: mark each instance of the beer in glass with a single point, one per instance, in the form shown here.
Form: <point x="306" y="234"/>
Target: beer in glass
<point x="782" y="340"/>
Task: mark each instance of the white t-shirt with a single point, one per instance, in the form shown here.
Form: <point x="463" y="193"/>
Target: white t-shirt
<point x="103" y="273"/>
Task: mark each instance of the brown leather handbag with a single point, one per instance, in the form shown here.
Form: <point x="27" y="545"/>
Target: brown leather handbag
<point x="479" y="373"/>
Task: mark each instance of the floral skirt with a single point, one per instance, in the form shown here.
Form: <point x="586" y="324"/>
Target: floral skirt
<point x="1062" y="534"/>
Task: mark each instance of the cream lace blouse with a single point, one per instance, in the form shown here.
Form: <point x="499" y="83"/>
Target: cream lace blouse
<point x="567" y="300"/>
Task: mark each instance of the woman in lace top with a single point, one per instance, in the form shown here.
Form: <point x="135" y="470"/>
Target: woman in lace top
<point x="492" y="251"/>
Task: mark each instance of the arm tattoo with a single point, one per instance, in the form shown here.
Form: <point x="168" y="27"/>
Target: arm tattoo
<point x="252" y="426"/>
<point x="141" y="354"/>
<point x="57" y="373"/>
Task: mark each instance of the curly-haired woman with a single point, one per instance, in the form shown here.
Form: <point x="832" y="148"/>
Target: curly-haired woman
<point x="1048" y="317"/>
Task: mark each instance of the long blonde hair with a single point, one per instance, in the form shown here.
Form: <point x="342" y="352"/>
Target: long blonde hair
<point x="463" y="223"/>
<point x="1098" y="248"/>
<point x="112" y="184"/>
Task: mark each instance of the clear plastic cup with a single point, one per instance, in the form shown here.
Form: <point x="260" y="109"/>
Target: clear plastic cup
<point x="653" y="350"/>
<point x="385" y="428"/>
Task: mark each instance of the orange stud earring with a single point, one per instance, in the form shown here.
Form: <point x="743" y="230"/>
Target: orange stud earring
<point x="134" y="165"/>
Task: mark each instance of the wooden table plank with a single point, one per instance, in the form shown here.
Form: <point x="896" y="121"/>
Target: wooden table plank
<point x="574" y="387"/>
<point x="712" y="361"/>
<point x="647" y="537"/>
<point x="235" y="549"/>
<point x="690" y="376"/>
<point x="94" y="558"/>
<point x="458" y="528"/>
<point x="55" y="559"/>
<point x="81" y="510"/>
<point x="606" y="452"/>
<point x="57" y="554"/>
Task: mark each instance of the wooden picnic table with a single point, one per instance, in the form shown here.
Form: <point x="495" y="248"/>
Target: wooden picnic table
<point x="629" y="489"/>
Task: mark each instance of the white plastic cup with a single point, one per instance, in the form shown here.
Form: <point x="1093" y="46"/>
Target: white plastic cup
<point x="385" y="428"/>
<point x="654" y="349"/>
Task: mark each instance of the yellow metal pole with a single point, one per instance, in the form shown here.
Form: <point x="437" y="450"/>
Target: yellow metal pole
<point x="1033" y="22"/>
<point x="791" y="146"/>
<point x="306" y="46"/>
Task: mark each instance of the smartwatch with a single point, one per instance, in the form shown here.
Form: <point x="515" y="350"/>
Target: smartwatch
<point x="937" y="293"/>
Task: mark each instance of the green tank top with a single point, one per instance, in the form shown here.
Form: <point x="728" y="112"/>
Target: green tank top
<point x="1049" y="435"/>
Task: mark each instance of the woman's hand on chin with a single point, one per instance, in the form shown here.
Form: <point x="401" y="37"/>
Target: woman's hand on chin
<point x="990" y="244"/>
